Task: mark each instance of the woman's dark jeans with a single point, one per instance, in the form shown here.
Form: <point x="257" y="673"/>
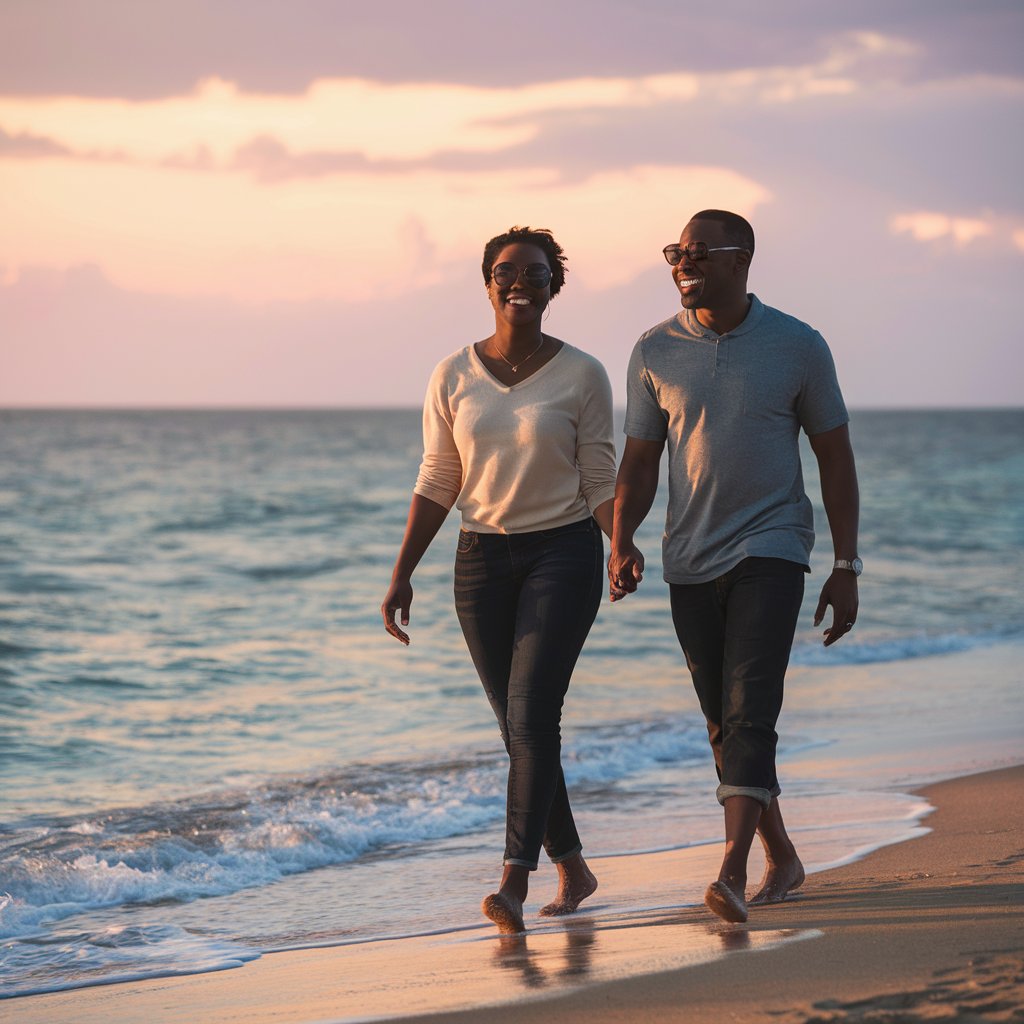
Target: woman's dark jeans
<point x="526" y="602"/>
<point x="736" y="632"/>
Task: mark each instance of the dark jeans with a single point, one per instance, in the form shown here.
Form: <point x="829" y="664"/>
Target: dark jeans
<point x="736" y="632"/>
<point x="526" y="603"/>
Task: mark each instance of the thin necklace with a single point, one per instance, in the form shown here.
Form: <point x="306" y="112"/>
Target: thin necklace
<point x="515" y="366"/>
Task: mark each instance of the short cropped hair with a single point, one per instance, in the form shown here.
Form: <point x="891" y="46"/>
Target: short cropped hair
<point x="540" y="237"/>
<point x="737" y="229"/>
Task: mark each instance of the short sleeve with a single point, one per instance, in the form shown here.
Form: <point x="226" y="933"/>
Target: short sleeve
<point x="820" y="406"/>
<point x="645" y="418"/>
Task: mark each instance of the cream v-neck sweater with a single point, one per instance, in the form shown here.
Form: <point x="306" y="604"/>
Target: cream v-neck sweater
<point x="532" y="456"/>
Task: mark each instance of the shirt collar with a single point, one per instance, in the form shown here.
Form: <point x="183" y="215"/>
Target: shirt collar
<point x="688" y="320"/>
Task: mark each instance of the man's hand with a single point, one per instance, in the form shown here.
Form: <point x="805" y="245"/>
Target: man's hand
<point x="840" y="591"/>
<point x="842" y="504"/>
<point x="625" y="571"/>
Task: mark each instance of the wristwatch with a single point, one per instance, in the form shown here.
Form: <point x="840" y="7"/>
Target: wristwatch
<point x="856" y="566"/>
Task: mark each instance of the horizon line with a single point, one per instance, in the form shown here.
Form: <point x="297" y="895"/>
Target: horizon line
<point x="213" y="407"/>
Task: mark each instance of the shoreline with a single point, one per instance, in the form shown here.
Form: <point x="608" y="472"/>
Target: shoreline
<point x="926" y="922"/>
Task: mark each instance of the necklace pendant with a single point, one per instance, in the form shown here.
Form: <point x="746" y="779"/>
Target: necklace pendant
<point x="515" y="366"/>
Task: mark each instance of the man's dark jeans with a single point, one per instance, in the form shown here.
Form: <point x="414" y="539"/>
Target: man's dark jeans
<point x="736" y="632"/>
<point x="526" y="603"/>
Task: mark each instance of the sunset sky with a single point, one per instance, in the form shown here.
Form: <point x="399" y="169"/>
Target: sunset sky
<point x="253" y="203"/>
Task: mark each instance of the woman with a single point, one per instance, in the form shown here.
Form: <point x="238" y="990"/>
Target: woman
<point x="517" y="432"/>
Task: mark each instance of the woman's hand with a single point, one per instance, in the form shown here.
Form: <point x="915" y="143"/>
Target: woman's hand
<point x="625" y="571"/>
<point x="425" y="519"/>
<point x="399" y="595"/>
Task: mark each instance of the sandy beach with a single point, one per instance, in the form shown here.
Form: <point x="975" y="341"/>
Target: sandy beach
<point x="927" y="929"/>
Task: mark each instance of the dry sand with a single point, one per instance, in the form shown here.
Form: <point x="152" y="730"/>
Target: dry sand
<point x="929" y="929"/>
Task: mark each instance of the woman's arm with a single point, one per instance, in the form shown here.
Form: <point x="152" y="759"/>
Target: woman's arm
<point x="595" y="449"/>
<point x="425" y="519"/>
<point x="604" y="514"/>
<point x="436" y="489"/>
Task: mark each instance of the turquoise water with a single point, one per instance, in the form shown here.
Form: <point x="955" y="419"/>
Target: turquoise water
<point x="210" y="748"/>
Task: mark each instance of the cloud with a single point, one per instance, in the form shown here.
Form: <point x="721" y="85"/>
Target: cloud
<point x="117" y="48"/>
<point x="927" y="226"/>
<point x="294" y="197"/>
<point x="28" y="146"/>
<point x="339" y="118"/>
<point x="269" y="160"/>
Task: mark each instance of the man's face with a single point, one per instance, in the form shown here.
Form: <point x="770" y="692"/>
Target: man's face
<point x="716" y="281"/>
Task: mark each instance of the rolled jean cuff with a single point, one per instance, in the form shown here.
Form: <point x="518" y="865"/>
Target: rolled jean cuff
<point x="529" y="865"/>
<point x="565" y="856"/>
<point x="762" y="796"/>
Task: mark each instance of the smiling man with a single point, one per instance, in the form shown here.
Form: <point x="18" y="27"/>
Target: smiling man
<point x="728" y="383"/>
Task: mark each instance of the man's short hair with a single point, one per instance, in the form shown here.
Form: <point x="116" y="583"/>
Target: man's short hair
<point x="737" y="229"/>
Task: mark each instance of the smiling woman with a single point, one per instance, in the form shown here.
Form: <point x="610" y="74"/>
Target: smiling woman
<point x="523" y="271"/>
<point x="518" y="433"/>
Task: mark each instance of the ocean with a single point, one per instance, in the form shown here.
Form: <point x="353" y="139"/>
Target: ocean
<point x="210" y="749"/>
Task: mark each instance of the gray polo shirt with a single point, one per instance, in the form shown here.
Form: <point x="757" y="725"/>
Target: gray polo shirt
<point x="731" y="408"/>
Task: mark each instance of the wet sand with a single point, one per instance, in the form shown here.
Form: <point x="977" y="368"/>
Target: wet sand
<point x="928" y="929"/>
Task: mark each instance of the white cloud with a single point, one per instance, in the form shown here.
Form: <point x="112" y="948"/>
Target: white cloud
<point x="875" y="43"/>
<point x="927" y="226"/>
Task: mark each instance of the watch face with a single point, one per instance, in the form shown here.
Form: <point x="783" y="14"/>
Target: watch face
<point x="857" y="566"/>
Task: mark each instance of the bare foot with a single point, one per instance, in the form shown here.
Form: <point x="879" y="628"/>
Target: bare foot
<point x="778" y="882"/>
<point x="575" y="883"/>
<point x="505" y="911"/>
<point x="726" y="903"/>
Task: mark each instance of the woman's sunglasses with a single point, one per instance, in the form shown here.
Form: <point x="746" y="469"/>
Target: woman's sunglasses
<point x="536" y="275"/>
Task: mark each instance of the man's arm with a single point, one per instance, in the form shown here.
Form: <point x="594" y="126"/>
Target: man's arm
<point x="635" y="488"/>
<point x="842" y="506"/>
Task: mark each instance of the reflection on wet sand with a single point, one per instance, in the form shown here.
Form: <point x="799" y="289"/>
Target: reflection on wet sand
<point x="734" y="939"/>
<point x="586" y="950"/>
<point x="541" y="965"/>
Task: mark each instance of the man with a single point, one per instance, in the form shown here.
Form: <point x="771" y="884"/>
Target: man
<point x="729" y="382"/>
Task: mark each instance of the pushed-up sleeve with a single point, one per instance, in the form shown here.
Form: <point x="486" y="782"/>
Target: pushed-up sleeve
<point x="440" y="476"/>
<point x="595" y="448"/>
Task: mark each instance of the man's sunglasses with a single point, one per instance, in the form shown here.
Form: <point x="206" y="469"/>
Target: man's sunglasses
<point x="695" y="251"/>
<point x="536" y="275"/>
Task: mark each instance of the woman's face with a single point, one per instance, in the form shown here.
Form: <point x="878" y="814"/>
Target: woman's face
<point x="517" y="301"/>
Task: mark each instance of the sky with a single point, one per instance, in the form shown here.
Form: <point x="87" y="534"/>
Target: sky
<point x="253" y="203"/>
